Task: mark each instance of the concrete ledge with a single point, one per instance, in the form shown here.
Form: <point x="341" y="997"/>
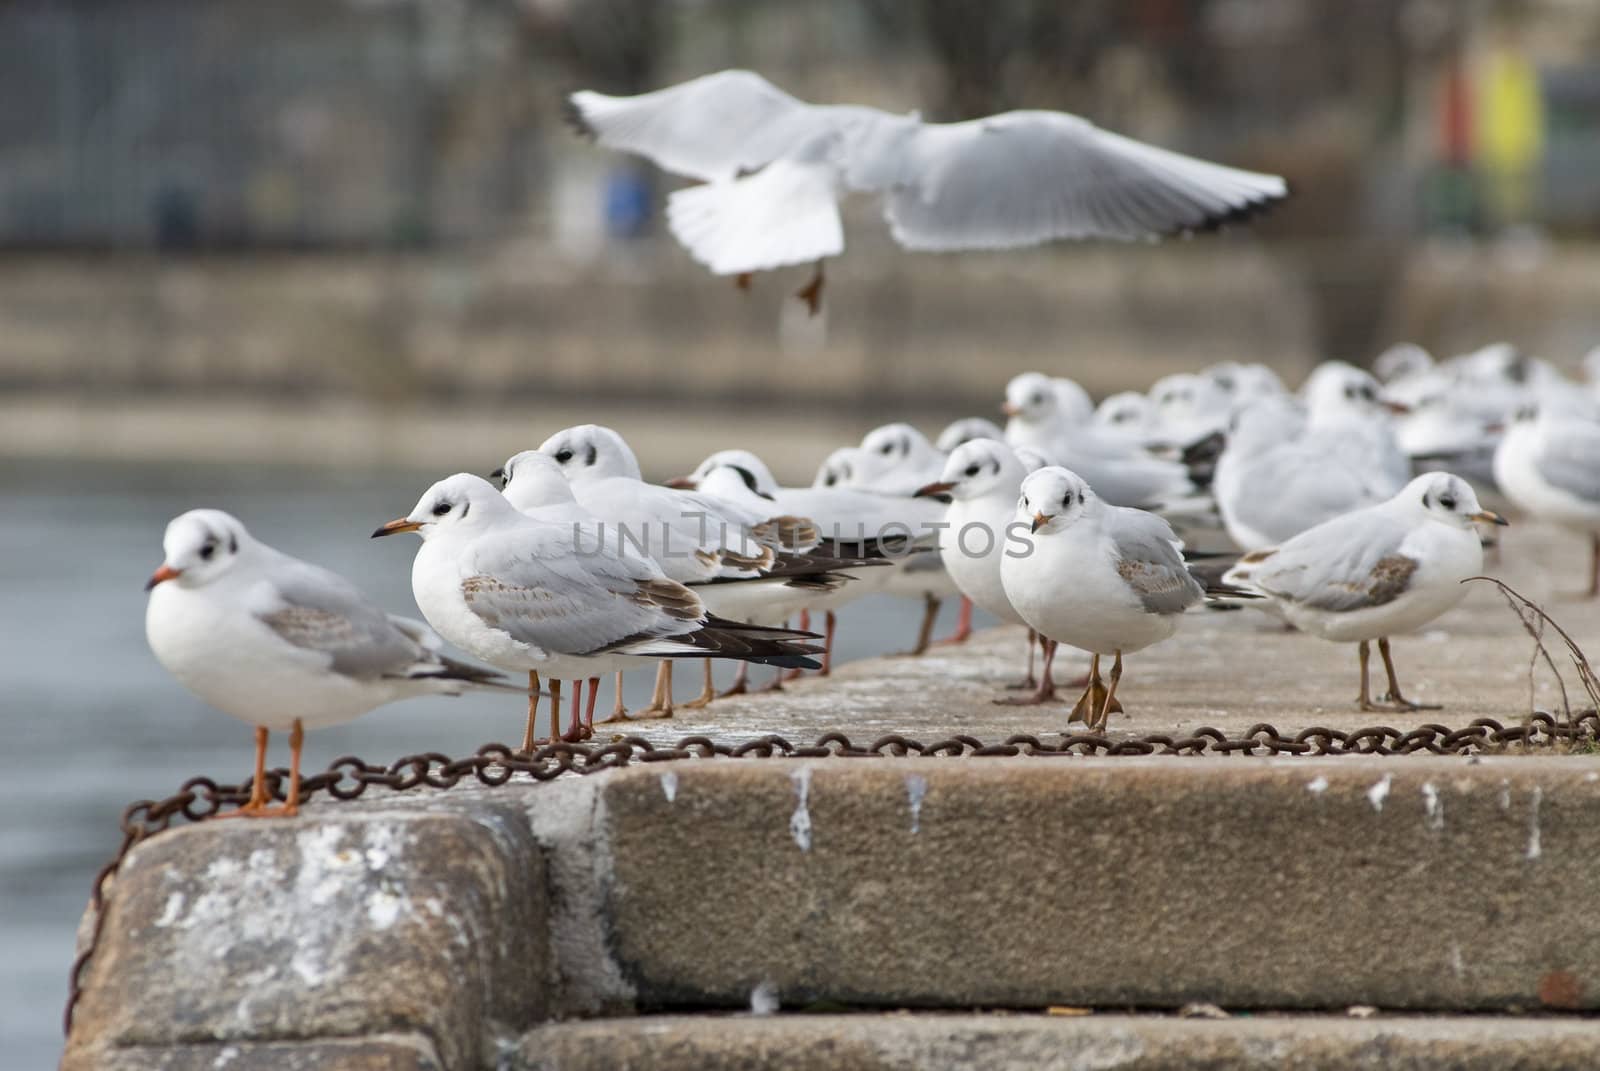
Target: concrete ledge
<point x="1438" y="883"/>
<point x="1040" y="1043"/>
<point x="341" y="925"/>
<point x="378" y="1053"/>
<point x="454" y="921"/>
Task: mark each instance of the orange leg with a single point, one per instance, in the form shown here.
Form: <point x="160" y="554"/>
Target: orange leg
<point x="257" y="806"/>
<point x="529" y="738"/>
<point x="827" y="644"/>
<point x="708" y="691"/>
<point x="963" y="625"/>
<point x="618" y="711"/>
<point x="741" y="681"/>
<point x="790" y="674"/>
<point x="930" y="613"/>
<point x="811" y="293"/>
<point x="588" y="708"/>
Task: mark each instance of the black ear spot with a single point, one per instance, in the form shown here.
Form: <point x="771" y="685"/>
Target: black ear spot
<point x="233" y="543"/>
<point x="589" y="458"/>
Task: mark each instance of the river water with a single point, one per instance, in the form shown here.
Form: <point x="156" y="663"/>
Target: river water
<point x="92" y="722"/>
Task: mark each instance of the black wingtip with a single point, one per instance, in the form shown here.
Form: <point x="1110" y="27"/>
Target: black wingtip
<point x="572" y="115"/>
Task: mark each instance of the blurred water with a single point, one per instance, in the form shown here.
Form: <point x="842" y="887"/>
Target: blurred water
<point x="92" y="722"/>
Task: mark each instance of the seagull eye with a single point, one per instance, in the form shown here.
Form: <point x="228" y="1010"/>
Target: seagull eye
<point x="208" y="551"/>
<point x="563" y="456"/>
<point x="1066" y="499"/>
<point x="1447" y="501"/>
<point x="440" y="509"/>
<point x="886" y="449"/>
<point x="972" y="470"/>
<point x="1038" y="399"/>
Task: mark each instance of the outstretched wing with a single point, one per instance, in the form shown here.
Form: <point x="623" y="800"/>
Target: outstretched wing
<point x="711" y="128"/>
<point x="1022" y="178"/>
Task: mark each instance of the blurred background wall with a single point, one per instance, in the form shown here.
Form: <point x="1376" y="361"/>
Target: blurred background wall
<point x="378" y="199"/>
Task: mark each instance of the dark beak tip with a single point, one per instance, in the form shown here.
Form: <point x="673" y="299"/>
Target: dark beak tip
<point x="150" y="585"/>
<point x="381" y="530"/>
<point x="498" y="474"/>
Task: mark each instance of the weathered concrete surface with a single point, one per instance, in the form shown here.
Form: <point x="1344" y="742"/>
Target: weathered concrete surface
<point x="383" y="1052"/>
<point x="433" y="928"/>
<point x="1292" y="883"/>
<point x="1227" y="670"/>
<point x="1040" y="1043"/>
<point x="344" y="925"/>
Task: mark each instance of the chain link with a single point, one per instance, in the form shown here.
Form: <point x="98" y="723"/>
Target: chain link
<point x="494" y="765"/>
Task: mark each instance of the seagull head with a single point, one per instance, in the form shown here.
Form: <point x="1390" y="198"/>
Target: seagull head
<point x="732" y="469"/>
<point x="1031" y="398"/>
<point x="1337" y="390"/>
<point x="1053" y="499"/>
<point x="1447" y="499"/>
<point x="978" y="468"/>
<point x="200" y="546"/>
<point x="838" y="469"/>
<point x="532" y="479"/>
<point x="460" y="503"/>
<point x="591" y="452"/>
<point x="1127" y="411"/>
<point x="893" y="445"/>
<point x="964" y="431"/>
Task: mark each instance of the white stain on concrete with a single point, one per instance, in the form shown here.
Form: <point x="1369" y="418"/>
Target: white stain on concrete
<point x="1505" y="795"/>
<point x="916" y="789"/>
<point x="669" y="785"/>
<point x="228" y="1054"/>
<point x="1433" y="806"/>
<point x="1380" y="792"/>
<point x="764" y="999"/>
<point x="1535" y="849"/>
<point x="384" y="908"/>
<point x="1317" y="786"/>
<point x="171" y="910"/>
<point x="1458" y="964"/>
<point x="800" y="821"/>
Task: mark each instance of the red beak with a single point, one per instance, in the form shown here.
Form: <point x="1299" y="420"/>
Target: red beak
<point x="683" y="483"/>
<point x="161" y="576"/>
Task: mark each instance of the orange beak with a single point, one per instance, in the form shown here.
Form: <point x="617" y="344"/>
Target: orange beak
<point x="1040" y="520"/>
<point x="1489" y="516"/>
<point x="161" y="576"/>
<point x="399" y="524"/>
<point x="1397" y="408"/>
<point x="683" y="483"/>
<point x="1010" y="410"/>
<point x="932" y="489"/>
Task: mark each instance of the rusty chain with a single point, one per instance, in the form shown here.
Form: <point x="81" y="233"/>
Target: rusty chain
<point x="496" y="764"/>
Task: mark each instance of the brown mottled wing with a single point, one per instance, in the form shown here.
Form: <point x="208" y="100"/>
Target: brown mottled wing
<point x="1351" y="563"/>
<point x="1150" y="564"/>
<point x="320" y="611"/>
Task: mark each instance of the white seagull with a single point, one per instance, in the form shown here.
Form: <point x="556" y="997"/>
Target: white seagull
<point x="774" y="168"/>
<point x="1370" y="574"/>
<point x="525" y="594"/>
<point x="1105" y="579"/>
<point x="1549" y="466"/>
<point x="282" y="644"/>
<point x="982" y="479"/>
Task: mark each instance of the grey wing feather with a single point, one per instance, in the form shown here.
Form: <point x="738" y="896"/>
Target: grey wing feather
<point x="711" y="128"/>
<point x="1149" y="561"/>
<point x="1022" y="178"/>
<point x="1281" y="506"/>
<point x="321" y="611"/>
<point x="1351" y="563"/>
<point x="1570" y="459"/>
<point x="538" y="592"/>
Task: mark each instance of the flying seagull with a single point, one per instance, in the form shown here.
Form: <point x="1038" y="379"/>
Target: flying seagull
<point x="773" y="169"/>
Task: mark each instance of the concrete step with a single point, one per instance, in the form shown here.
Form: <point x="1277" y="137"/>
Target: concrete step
<point x="1038" y="1042"/>
<point x="469" y="917"/>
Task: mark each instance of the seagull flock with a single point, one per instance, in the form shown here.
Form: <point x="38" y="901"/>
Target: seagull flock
<point x="1350" y="502"/>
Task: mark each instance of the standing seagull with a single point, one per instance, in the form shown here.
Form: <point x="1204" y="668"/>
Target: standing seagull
<point x="774" y="169"/>
<point x="1377" y="571"/>
<point x="530" y="595"/>
<point x="1549" y="465"/>
<point x="981" y="478"/>
<point x="1106" y="579"/>
<point x="282" y="644"/>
